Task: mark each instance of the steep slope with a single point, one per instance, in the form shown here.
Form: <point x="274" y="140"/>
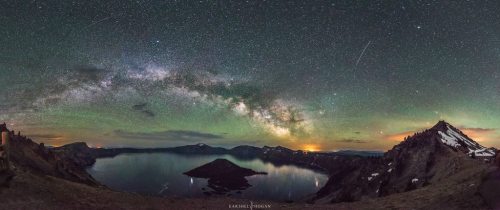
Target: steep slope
<point x="78" y="152"/>
<point x="28" y="155"/>
<point x="454" y="138"/>
<point x="432" y="156"/>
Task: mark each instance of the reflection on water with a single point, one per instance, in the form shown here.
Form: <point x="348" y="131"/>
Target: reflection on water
<point x="161" y="174"/>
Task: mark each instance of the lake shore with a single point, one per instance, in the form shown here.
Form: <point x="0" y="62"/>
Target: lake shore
<point x="30" y="190"/>
<point x="36" y="191"/>
<point x="158" y="174"/>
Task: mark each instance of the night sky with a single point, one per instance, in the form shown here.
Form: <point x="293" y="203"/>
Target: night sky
<point x="315" y="75"/>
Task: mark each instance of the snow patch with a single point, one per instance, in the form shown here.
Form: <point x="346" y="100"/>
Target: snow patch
<point x="372" y="176"/>
<point x="484" y="152"/>
<point x="449" y="140"/>
<point x="452" y="139"/>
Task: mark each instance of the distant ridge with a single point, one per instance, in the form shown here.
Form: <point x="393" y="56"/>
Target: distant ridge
<point x="360" y="153"/>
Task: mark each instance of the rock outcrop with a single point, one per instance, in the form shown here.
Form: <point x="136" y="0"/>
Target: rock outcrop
<point x="223" y="175"/>
<point x="425" y="158"/>
<point x="79" y="152"/>
<point x="221" y="168"/>
<point x="25" y="154"/>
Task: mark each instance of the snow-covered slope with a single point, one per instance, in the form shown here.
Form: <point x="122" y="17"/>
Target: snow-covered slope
<point x="456" y="139"/>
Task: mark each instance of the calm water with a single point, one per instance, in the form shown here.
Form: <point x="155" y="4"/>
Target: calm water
<point x="162" y="174"/>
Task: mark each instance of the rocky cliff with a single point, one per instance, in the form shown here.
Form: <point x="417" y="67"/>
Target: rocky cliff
<point x="25" y="154"/>
<point x="426" y="158"/>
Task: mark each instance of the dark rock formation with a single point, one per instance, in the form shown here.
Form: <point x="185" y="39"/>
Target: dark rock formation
<point x="223" y="175"/>
<point x="221" y="168"/>
<point x="490" y="185"/>
<point x="497" y="160"/>
<point x="490" y="189"/>
<point x="78" y="152"/>
<point x="5" y="178"/>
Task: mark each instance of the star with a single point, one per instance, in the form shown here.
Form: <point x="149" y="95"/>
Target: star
<point x="279" y="72"/>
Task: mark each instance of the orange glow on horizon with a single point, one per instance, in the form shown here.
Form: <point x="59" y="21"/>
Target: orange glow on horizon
<point x="311" y="147"/>
<point x="399" y="136"/>
<point x="96" y="145"/>
<point x="479" y="135"/>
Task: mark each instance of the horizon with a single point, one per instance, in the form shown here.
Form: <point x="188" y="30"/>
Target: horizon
<point x="304" y="75"/>
<point x="306" y="148"/>
<point x="230" y="147"/>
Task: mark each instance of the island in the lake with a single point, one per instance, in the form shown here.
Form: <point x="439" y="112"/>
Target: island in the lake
<point x="223" y="175"/>
<point x="440" y="167"/>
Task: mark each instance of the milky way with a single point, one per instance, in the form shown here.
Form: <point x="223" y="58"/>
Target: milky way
<point x="304" y="74"/>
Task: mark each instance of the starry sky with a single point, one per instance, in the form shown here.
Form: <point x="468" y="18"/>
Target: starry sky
<point x="314" y="75"/>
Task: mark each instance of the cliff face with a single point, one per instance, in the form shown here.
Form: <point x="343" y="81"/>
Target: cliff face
<point x="425" y="158"/>
<point x="77" y="152"/>
<point x="36" y="158"/>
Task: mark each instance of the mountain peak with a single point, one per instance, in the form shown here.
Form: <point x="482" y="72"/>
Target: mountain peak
<point x="442" y="125"/>
<point x="456" y="139"/>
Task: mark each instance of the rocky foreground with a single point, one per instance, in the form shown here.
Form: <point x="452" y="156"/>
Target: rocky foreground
<point x="440" y="168"/>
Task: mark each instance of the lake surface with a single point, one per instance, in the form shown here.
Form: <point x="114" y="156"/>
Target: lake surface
<point x="161" y="174"/>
